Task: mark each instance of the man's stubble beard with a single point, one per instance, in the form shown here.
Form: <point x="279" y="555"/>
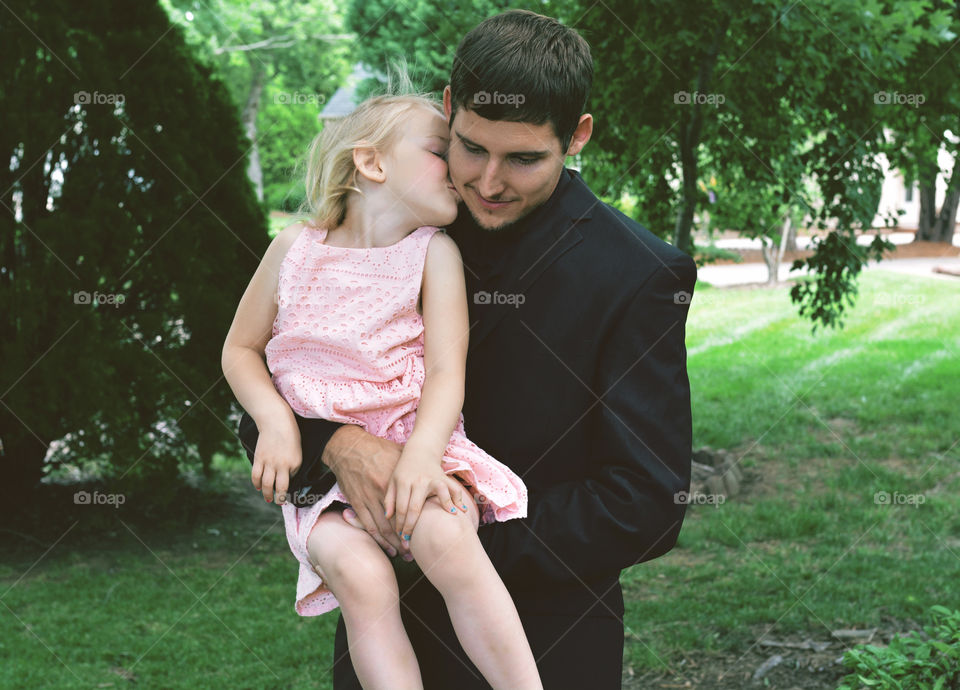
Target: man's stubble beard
<point x="506" y="227"/>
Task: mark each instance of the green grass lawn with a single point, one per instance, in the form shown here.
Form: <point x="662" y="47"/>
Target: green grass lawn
<point x="821" y="423"/>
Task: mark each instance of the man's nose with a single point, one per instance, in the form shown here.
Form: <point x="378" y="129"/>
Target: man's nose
<point x="490" y="185"/>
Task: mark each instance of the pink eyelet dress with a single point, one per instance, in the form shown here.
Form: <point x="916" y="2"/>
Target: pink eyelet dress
<point x="347" y="346"/>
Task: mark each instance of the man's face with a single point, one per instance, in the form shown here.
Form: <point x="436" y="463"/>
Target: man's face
<point x="502" y="170"/>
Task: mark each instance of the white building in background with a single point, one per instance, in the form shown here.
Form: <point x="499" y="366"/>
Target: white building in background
<point x="345" y="99"/>
<point x="896" y="196"/>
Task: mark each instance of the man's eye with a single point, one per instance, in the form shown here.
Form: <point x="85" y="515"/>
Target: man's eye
<point x="526" y="161"/>
<point x="471" y="149"/>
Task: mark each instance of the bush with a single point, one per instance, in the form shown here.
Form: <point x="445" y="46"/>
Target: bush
<point x="127" y="235"/>
<point x="910" y="661"/>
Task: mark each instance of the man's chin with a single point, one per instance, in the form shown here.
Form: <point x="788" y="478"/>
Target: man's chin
<point x="487" y="227"/>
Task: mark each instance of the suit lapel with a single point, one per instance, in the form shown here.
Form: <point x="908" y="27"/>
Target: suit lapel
<point x="552" y="233"/>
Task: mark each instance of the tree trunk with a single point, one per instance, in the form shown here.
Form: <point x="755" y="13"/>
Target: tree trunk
<point x="773" y="254"/>
<point x="688" y="163"/>
<point x="947" y="219"/>
<point x="790" y="239"/>
<point x="249" y="118"/>
<point x="22" y="457"/>
<point x="928" y="210"/>
<point x="690" y="139"/>
<point x="928" y="202"/>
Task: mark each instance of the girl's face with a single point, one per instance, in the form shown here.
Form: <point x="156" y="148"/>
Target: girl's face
<point x="416" y="170"/>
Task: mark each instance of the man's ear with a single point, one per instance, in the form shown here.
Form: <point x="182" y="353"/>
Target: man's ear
<point x="581" y="135"/>
<point x="367" y="160"/>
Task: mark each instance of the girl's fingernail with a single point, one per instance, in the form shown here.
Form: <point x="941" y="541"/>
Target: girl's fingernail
<point x="406" y="537"/>
<point x="453" y="510"/>
<point x="464" y="506"/>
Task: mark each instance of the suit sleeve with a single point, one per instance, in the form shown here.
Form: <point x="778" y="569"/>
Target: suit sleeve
<point x="625" y="511"/>
<point x="314" y="436"/>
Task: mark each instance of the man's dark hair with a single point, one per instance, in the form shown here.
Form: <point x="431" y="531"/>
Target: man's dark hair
<point x="520" y="66"/>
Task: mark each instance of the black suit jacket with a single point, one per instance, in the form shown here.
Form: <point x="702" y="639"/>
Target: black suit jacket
<point x="576" y="380"/>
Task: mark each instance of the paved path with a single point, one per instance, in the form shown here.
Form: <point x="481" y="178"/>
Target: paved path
<point x="740" y="274"/>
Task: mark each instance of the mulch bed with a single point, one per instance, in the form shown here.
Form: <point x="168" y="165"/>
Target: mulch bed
<point x="809" y="663"/>
<point x="912" y="250"/>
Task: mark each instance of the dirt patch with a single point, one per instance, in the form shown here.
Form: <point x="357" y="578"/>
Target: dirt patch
<point x="911" y="250"/>
<point x="806" y="662"/>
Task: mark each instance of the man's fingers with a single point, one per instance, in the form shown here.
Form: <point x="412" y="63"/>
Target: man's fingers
<point x="388" y="500"/>
<point x="351" y="518"/>
<point x="370" y="525"/>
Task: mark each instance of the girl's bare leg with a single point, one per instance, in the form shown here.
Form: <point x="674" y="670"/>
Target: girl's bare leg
<point x="360" y="576"/>
<point x="484" y="617"/>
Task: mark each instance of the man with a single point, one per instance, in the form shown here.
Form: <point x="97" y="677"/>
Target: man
<point x="576" y="371"/>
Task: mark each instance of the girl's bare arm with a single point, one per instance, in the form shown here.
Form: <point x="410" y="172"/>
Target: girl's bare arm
<point x="278" y="453"/>
<point x="446" y="335"/>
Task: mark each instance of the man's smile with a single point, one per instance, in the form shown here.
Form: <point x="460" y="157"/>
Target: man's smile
<point x="489" y="203"/>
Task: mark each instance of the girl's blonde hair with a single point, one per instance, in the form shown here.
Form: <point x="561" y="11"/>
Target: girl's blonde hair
<point x="330" y="170"/>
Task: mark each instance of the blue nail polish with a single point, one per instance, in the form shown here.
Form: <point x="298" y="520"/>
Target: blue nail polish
<point x="406" y="537"/>
<point x="464" y="506"/>
<point x="453" y="510"/>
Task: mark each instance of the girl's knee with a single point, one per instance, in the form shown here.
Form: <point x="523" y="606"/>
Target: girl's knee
<point x="439" y="532"/>
<point x="346" y="557"/>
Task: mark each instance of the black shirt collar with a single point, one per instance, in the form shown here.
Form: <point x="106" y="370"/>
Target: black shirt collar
<point x="485" y="253"/>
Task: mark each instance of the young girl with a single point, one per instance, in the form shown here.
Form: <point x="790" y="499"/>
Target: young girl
<point x="368" y="314"/>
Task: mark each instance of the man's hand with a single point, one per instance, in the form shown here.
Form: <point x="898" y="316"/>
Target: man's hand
<point x="277" y="457"/>
<point x="363" y="464"/>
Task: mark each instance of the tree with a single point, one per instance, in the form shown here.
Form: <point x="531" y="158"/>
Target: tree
<point x="280" y="60"/>
<point x="746" y="86"/>
<point x="924" y="116"/>
<point x="773" y="96"/>
<point x="128" y="231"/>
<point x="389" y="32"/>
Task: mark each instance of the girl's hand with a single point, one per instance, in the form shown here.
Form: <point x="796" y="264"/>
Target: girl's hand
<point x="418" y="476"/>
<point x="276" y="458"/>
